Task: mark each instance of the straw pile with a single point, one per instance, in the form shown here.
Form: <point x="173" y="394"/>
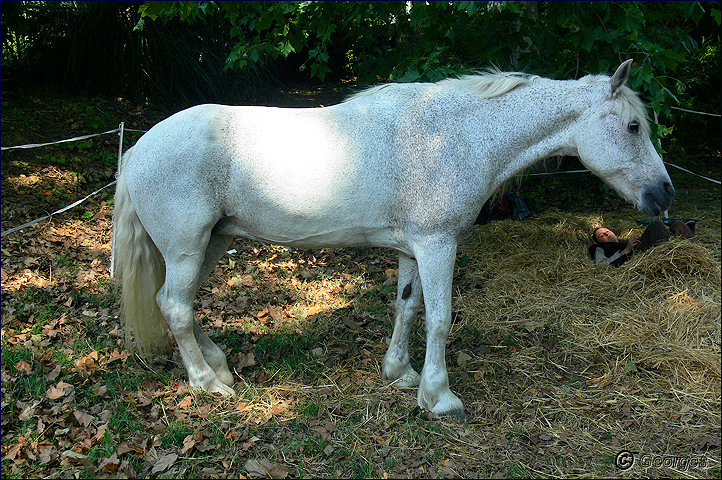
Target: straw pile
<point x="658" y="315"/>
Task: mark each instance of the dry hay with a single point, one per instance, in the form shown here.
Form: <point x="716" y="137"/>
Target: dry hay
<point x="645" y="335"/>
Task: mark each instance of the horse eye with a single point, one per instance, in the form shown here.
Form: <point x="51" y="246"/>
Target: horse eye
<point x="633" y="127"/>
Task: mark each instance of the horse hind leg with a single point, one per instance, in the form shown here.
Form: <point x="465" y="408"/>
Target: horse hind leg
<point x="397" y="365"/>
<point x="184" y="264"/>
<point x="214" y="356"/>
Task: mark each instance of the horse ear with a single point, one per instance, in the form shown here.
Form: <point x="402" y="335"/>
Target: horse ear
<point x="621" y="76"/>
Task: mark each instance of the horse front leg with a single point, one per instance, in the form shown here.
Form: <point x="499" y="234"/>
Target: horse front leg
<point x="436" y="269"/>
<point x="397" y="365"/>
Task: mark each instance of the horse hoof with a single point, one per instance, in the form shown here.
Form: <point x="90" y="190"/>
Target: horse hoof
<point x="446" y="411"/>
<point x="459" y="414"/>
<point x="226" y="377"/>
<point x="406" y="379"/>
<point x="447" y="404"/>
<point x="222" y="388"/>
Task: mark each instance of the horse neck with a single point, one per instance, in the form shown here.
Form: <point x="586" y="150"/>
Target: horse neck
<point x="540" y="120"/>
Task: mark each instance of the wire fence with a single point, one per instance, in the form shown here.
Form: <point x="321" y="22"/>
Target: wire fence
<point x="120" y="130"/>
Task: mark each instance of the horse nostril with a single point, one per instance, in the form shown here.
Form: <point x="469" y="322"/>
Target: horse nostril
<point x="668" y="188"/>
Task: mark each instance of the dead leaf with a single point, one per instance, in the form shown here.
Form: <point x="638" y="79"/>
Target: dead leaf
<point x="58" y="391"/>
<point x="101" y="391"/>
<point x="188" y="443"/>
<point x="28" y="412"/>
<point x="124" y="448"/>
<point x="75" y="457"/>
<point x="53" y="374"/>
<point x="242" y="360"/>
<point x="14" y="452"/>
<point x="185" y="403"/>
<point x="462" y="358"/>
<point x="83" y="418"/>
<point x="265" y="469"/>
<point x="164" y="462"/>
<point x="250" y="443"/>
<point x="282" y="406"/>
<point x="101" y="433"/>
<point x="87" y="362"/>
<point x="276" y="314"/>
<point x="46" y="451"/>
<point x="110" y="465"/>
<point x="116" y="355"/>
<point x="23" y="366"/>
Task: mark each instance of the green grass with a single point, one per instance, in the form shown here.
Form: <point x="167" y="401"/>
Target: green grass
<point x="107" y="299"/>
<point x="516" y="470"/>
<point x="12" y="354"/>
<point x="312" y="408"/>
<point x="177" y="431"/>
<point x="285" y="350"/>
<point x="122" y="420"/>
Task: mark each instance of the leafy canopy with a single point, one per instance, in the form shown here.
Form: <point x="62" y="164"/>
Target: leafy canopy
<point x="428" y="41"/>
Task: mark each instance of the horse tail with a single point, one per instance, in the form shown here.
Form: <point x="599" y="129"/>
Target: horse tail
<point x="140" y="271"/>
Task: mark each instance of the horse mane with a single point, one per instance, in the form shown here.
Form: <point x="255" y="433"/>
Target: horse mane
<point x="493" y="83"/>
<point x="490" y="83"/>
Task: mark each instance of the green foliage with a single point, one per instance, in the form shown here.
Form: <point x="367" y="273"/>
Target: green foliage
<point x="428" y="41"/>
<point x="225" y="51"/>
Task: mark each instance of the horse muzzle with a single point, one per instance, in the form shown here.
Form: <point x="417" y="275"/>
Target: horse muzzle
<point x="657" y="199"/>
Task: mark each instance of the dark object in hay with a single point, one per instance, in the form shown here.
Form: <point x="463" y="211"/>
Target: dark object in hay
<point x="508" y="206"/>
<point x="669" y="221"/>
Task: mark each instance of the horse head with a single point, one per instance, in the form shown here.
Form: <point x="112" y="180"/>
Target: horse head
<point x="612" y="140"/>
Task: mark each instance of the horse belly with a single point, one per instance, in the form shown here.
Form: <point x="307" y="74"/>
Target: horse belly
<point x="315" y="186"/>
<point x="295" y="232"/>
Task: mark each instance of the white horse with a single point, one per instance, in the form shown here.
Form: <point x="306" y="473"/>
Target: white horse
<point x="402" y="166"/>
